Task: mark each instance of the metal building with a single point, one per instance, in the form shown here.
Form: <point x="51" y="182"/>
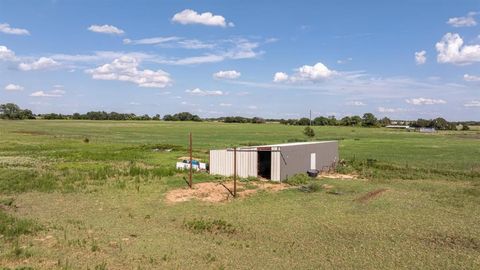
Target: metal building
<point x="276" y="162"/>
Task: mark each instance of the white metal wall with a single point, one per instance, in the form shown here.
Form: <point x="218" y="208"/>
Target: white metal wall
<point x="221" y="162"/>
<point x="275" y="166"/>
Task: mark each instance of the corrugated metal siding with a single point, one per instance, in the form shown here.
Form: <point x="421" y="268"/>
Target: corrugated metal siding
<point x="297" y="157"/>
<point x="275" y="166"/>
<point x="221" y="162"/>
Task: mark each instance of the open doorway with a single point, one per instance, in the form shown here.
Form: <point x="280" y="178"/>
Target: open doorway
<point x="264" y="164"/>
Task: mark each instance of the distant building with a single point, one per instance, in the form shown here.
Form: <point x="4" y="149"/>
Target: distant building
<point x="426" y="130"/>
<point x="397" y="127"/>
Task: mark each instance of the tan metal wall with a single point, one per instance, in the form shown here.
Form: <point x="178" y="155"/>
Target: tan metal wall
<point x="221" y="163"/>
<point x="275" y="166"/>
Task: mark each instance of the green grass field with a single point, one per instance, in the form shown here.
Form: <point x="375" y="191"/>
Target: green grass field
<point x="91" y="195"/>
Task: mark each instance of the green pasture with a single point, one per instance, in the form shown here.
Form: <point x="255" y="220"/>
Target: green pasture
<point x="91" y="195"/>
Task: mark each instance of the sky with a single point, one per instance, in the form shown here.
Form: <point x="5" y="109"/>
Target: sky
<point x="274" y="59"/>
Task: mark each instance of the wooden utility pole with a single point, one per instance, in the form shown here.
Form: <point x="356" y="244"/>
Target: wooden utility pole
<point x="191" y="164"/>
<point x="310" y="117"/>
<point x="235" y="172"/>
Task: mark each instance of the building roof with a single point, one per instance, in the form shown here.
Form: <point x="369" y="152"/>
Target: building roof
<point x="286" y="144"/>
<point x="280" y="145"/>
<point x="397" y="126"/>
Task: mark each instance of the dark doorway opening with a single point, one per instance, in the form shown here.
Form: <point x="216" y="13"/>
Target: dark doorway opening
<point x="264" y="164"/>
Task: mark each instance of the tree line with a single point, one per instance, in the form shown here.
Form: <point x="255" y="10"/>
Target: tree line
<point x="370" y="120"/>
<point x="14" y="112"/>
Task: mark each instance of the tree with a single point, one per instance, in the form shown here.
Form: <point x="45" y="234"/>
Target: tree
<point x="168" y="117"/>
<point x="332" y="121"/>
<point x="303" y="121"/>
<point x="258" y="120"/>
<point x="442" y="124"/>
<point x="385" y="121"/>
<point x="10" y="111"/>
<point x="183" y="116"/>
<point x="369" y="120"/>
<point x="26" y="114"/>
<point x="320" y="121"/>
<point x="308" y="131"/>
<point x="356" y="120"/>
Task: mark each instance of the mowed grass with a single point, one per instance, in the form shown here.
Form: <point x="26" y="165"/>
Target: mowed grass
<point x="71" y="204"/>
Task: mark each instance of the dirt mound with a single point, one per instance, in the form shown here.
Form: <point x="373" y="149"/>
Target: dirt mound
<point x="337" y="175"/>
<point x="216" y="192"/>
<point x="371" y="195"/>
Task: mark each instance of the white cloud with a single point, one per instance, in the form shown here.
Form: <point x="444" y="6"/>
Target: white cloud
<point x="126" y="69"/>
<point x="189" y="16"/>
<point x="7" y="29"/>
<point x="58" y="92"/>
<point x="150" y="41"/>
<point x="473" y="103"/>
<point x="252" y="107"/>
<point x="6" y="53"/>
<point x="389" y="110"/>
<point x="46" y="94"/>
<point x="280" y="77"/>
<point x="452" y="50"/>
<point x="194" y="60"/>
<point x="237" y="48"/>
<point x="317" y="72"/>
<point x="356" y="103"/>
<point x="227" y="74"/>
<point x="344" y="61"/>
<point x="13" y="87"/>
<point x="195" y="44"/>
<point x="200" y="92"/>
<point x="465" y="21"/>
<point x="420" y="57"/>
<point x="106" y="29"/>
<point x="471" y="78"/>
<point x="225" y="104"/>
<point x="40" y="64"/>
<point x="425" y="101"/>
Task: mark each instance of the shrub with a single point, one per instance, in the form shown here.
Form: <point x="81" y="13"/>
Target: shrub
<point x="308" y="131"/>
<point x="298" y="179"/>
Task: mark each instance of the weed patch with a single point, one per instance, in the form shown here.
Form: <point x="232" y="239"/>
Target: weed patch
<point x="298" y="179"/>
<point x="11" y="227"/>
<point x="311" y="187"/>
<point x="214" y="226"/>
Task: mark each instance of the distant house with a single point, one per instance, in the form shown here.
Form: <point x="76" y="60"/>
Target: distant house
<point x="397" y="127"/>
<point x="426" y="130"/>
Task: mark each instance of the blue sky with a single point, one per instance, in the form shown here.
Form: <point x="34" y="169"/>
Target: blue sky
<point x="275" y="59"/>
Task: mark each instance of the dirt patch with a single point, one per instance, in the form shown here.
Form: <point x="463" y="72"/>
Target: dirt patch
<point x="216" y="192"/>
<point x="371" y="195"/>
<point x="452" y="241"/>
<point x="28" y="132"/>
<point x="337" y="175"/>
<point x="469" y="136"/>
